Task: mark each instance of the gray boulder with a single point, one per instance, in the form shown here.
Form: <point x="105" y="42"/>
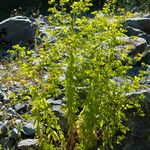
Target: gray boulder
<point x="1" y="104"/>
<point x="145" y="36"/>
<point x="28" y="144"/>
<point x="137" y="45"/>
<point x="52" y="101"/>
<point x="145" y="58"/>
<point x="18" y="29"/>
<point x="148" y="74"/>
<point x="21" y="108"/>
<point x="14" y="134"/>
<point x="138" y="137"/>
<point x="2" y="96"/>
<point x="144" y="100"/>
<point x="139" y="23"/>
<point x="146" y="16"/>
<point x="56" y="105"/>
<point x="28" y="130"/>
<point x="133" y="31"/>
<point x="140" y="27"/>
<point x="44" y="35"/>
<point x="1" y="115"/>
<point x="3" y="129"/>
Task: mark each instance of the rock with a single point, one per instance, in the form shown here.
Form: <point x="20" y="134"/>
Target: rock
<point x="14" y="134"/>
<point x="146" y="101"/>
<point x="56" y="105"/>
<point x="16" y="90"/>
<point x="139" y="23"/>
<point x="45" y="36"/>
<point x="18" y="29"/>
<point x="137" y="45"/>
<point x="3" y="129"/>
<point x="57" y="109"/>
<point x="21" y="108"/>
<point x="148" y="74"/>
<point x="146" y="16"/>
<point x="145" y="59"/>
<point x="6" y="101"/>
<point x="3" y="108"/>
<point x="3" y="88"/>
<point x="28" y="130"/>
<point x="6" y="144"/>
<point x="135" y="70"/>
<point x="145" y="36"/>
<point x="18" y="121"/>
<point x="52" y="101"/>
<point x="28" y="144"/>
<point x="1" y="104"/>
<point x="1" y="115"/>
<point x="138" y="137"/>
<point x="133" y="31"/>
<point x="11" y="111"/>
<point x="1" y="96"/>
<point x="3" y="142"/>
<point x="45" y="19"/>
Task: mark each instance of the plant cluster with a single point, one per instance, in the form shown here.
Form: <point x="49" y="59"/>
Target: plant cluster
<point x="83" y="65"/>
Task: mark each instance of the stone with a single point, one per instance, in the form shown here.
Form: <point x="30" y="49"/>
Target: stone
<point x="148" y="74"/>
<point x="17" y="30"/>
<point x="56" y="105"/>
<point x="3" y="108"/>
<point x="20" y="108"/>
<point x="1" y="115"/>
<point x="52" y="101"/>
<point x="46" y="37"/>
<point x="135" y="70"/>
<point x="3" y="88"/>
<point x="137" y="45"/>
<point x="6" y="101"/>
<point x="1" y="96"/>
<point x="18" y="121"/>
<point x="133" y="31"/>
<point x="3" y="129"/>
<point x="1" y="104"/>
<point x="11" y="111"/>
<point x="144" y="102"/>
<point x="3" y="141"/>
<point x="28" y="130"/>
<point x="146" y="16"/>
<point x="139" y="23"/>
<point x="28" y="144"/>
<point x="145" y="36"/>
<point x="14" y="134"/>
<point x="138" y="137"/>
<point x="57" y="109"/>
<point x="145" y="59"/>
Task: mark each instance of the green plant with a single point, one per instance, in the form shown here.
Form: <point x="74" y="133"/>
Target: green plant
<point x="96" y="100"/>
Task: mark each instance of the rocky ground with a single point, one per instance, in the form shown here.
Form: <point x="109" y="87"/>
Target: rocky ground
<point x="16" y="132"/>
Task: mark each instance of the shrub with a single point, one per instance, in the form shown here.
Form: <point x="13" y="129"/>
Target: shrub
<point x="96" y="101"/>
